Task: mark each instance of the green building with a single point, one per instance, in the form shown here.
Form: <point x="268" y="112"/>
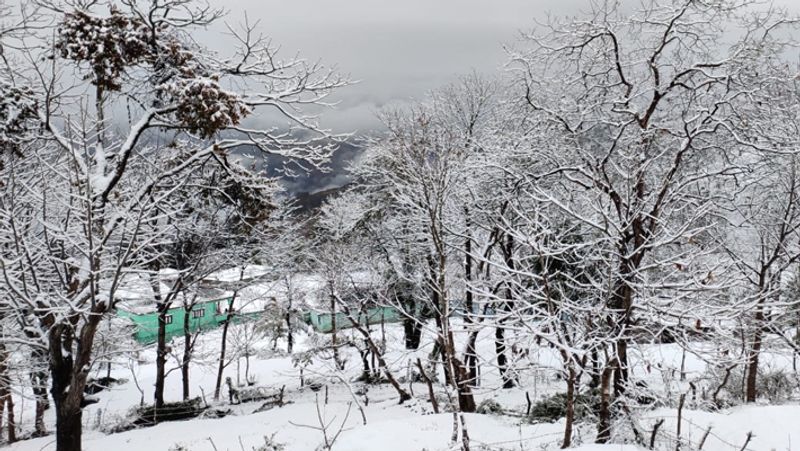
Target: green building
<point x="204" y="315"/>
<point x="323" y="321"/>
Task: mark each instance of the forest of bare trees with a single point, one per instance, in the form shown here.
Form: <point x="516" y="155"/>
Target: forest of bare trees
<point x="628" y="179"/>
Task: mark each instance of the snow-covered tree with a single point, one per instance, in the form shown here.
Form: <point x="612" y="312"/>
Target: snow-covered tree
<point x="78" y="216"/>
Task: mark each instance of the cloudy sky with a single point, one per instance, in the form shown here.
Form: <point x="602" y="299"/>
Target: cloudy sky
<point x="398" y="49"/>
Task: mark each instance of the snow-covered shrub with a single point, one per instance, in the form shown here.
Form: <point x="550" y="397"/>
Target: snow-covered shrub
<point x="272" y="324"/>
<point x="179" y="447"/>
<point x="271" y="445"/>
<point x="775" y="385"/>
<point x="554" y="407"/>
<point x="490" y="407"/>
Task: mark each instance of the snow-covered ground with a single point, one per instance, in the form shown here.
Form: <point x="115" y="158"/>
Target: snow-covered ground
<point x="386" y="425"/>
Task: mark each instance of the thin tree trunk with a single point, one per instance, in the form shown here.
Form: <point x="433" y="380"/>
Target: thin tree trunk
<point x="334" y="333"/>
<point x="39" y="379"/>
<point x="429" y="383"/>
<point x="412" y="331"/>
<point x="187" y="351"/>
<point x="223" y="345"/>
<point x="751" y="389"/>
<point x="161" y="355"/>
<point x="502" y="360"/>
<point x="570" y="407"/>
<point x="505" y="307"/>
<point x="470" y="356"/>
<point x="376" y="352"/>
<point x="621" y="303"/>
<point x="288" y="318"/>
<point x="162" y="308"/>
<point x="2" y="409"/>
<point x="604" y="420"/>
<point x="289" y="335"/>
<point x="11" y="424"/>
<point x="4" y="381"/>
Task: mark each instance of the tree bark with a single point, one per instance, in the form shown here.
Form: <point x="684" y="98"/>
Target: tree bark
<point x="621" y="303"/>
<point x="5" y="391"/>
<point x="429" y="383"/>
<point x="39" y="381"/>
<point x="69" y="373"/>
<point x="502" y="360"/>
<point x="161" y="355"/>
<point x="11" y="422"/>
<point x="570" y="407"/>
<point x="188" y="344"/>
<point x="223" y="345"/>
<point x="412" y="332"/>
<point x="289" y="335"/>
<point x="751" y="388"/>
<point x="505" y="307"/>
<point x="604" y="420"/>
<point x="68" y="427"/>
<point x="470" y="356"/>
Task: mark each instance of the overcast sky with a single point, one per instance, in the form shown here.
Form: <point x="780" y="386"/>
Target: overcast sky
<point x="399" y="49"/>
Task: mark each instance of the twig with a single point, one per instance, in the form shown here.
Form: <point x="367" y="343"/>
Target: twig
<point x="680" y="415"/>
<point x="658" y="424"/>
<point x="528" y="409"/>
<point x="747" y="441"/>
<point x="703" y="440"/>
<point x="431" y="394"/>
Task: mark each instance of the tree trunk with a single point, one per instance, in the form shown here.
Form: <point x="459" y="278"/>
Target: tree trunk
<point x="289" y="335"/>
<point x="288" y="318"/>
<point x="68" y="427"/>
<point x="471" y="357"/>
<point x="570" y="407"/>
<point x="604" y="420"/>
<point x="334" y="333"/>
<point x="161" y="355"/>
<point x="502" y="360"/>
<point x="221" y="368"/>
<point x="11" y="424"/>
<point x="39" y="381"/>
<point x="458" y="373"/>
<point x="376" y="352"/>
<point x="2" y="410"/>
<point x="5" y="391"/>
<point x="751" y="390"/>
<point x="505" y="307"/>
<point x="187" y="352"/>
<point x="412" y="332"/>
<point x="621" y="303"/>
<point x="69" y="376"/>
<point x="621" y="371"/>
